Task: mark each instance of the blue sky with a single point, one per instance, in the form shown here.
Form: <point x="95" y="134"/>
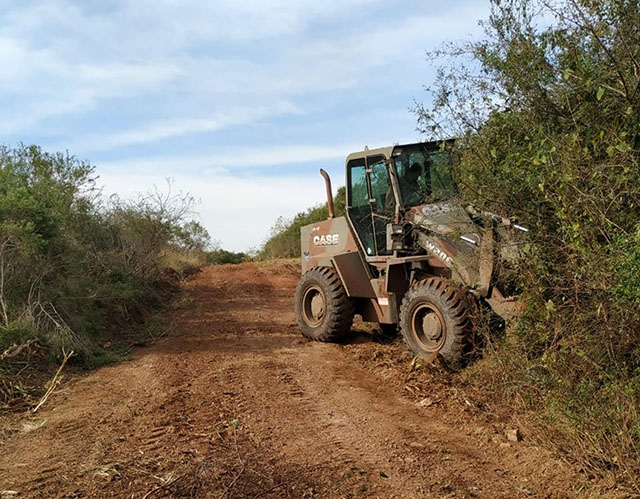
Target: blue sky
<point x="239" y="102"/>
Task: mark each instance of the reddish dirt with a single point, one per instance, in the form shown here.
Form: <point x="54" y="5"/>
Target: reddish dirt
<point x="235" y="403"/>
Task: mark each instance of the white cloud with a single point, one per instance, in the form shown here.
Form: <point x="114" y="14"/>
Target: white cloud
<point x="114" y="76"/>
<point x="236" y="211"/>
<point x="394" y="43"/>
<point x="238" y="158"/>
<point x="38" y="84"/>
<point x="167" y="128"/>
<point x="81" y="54"/>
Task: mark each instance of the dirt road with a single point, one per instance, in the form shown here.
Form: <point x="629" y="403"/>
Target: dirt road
<point x="235" y="403"/>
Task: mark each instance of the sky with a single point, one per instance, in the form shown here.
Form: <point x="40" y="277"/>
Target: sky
<point x="238" y="102"/>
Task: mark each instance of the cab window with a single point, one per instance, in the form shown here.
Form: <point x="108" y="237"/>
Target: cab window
<point x="382" y="201"/>
<point x="358" y="184"/>
<point x="424" y="176"/>
<point x="381" y="190"/>
<point x="359" y="209"/>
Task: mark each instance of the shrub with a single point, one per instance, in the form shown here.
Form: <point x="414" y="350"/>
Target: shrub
<point x="73" y="269"/>
<point x="547" y="107"/>
<point x="220" y="257"/>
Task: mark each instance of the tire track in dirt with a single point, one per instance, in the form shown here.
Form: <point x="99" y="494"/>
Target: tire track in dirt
<point x="236" y="403"/>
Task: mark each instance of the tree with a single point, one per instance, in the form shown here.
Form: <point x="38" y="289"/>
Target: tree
<point x="547" y="108"/>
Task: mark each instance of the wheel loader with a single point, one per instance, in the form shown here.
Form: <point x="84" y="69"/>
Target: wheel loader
<point x="408" y="255"/>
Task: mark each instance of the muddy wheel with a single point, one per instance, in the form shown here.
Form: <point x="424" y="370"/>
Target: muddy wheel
<point x="434" y="317"/>
<point x="324" y="312"/>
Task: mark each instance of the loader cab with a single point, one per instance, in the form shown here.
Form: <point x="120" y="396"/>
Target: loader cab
<point x="378" y="180"/>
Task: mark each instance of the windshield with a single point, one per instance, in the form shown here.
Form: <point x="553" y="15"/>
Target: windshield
<point x="424" y="176"/>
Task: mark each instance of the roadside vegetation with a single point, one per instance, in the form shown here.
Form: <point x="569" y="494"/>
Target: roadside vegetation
<point x="79" y="272"/>
<point x="219" y="256"/>
<point x="547" y="111"/>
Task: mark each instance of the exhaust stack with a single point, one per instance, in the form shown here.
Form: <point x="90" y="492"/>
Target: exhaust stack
<point x="327" y="182"/>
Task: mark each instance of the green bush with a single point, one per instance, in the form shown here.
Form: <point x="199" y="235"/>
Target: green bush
<point x="547" y="108"/>
<point x="220" y="257"/>
<point x="15" y="333"/>
<point x="627" y="267"/>
<point x="75" y="270"/>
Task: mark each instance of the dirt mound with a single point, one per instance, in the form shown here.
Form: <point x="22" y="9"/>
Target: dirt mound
<point x="237" y="404"/>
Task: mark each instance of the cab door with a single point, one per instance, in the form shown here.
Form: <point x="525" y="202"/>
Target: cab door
<point x="382" y="201"/>
<point x="358" y="207"/>
<point x="370" y="202"/>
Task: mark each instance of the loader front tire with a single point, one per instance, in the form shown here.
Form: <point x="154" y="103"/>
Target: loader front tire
<point x="435" y="317"/>
<point x="323" y="310"/>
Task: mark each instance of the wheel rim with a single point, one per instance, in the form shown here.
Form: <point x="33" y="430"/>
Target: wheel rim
<point x="313" y="306"/>
<point x="428" y="327"/>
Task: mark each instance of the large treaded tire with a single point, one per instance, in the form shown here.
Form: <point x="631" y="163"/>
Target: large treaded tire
<point x="321" y="287"/>
<point x="435" y="316"/>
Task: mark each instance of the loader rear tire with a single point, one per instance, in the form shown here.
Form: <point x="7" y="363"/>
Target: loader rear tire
<point x="323" y="310"/>
<point x="435" y="317"/>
